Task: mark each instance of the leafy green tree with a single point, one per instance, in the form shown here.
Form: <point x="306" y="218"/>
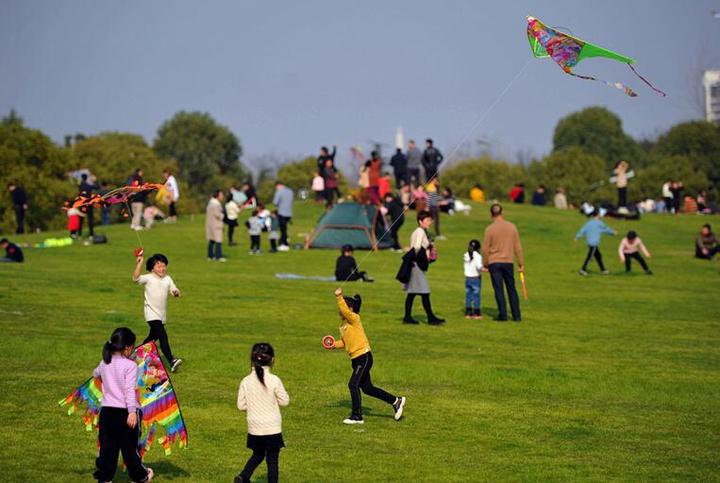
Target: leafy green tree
<point x="598" y="131"/>
<point x="583" y="175"/>
<point x="699" y="141"/>
<point x="648" y="183"/>
<point x="495" y="176"/>
<point x="30" y="159"/>
<point x="207" y="153"/>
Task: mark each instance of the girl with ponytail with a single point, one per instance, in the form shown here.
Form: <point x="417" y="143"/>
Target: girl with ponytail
<point x="119" y="421"/>
<point x="261" y="394"/>
<point x="473" y="270"/>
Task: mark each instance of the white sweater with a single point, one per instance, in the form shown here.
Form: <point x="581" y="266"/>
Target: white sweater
<point x="262" y="403"/>
<point x="472" y="267"/>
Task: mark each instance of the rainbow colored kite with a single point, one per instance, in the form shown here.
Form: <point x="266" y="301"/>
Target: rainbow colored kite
<point x="156" y="396"/>
<point x="114" y="197"/>
<point x="567" y="51"/>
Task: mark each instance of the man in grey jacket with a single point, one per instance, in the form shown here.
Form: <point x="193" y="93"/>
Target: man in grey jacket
<point x="414" y="162"/>
<point x="283" y="200"/>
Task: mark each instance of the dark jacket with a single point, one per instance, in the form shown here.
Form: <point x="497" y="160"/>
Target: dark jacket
<point x="410" y="257"/>
<point x="396" y="211"/>
<point x="141" y="196"/>
<point x="399" y="163"/>
<point x="322" y="159"/>
<point x="13" y="252"/>
<point x="431" y="161"/>
<point x="344" y="267"/>
<point x="19" y="197"/>
<point x="538" y="199"/>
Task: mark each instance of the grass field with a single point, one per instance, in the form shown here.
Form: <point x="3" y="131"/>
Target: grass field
<point x="607" y="378"/>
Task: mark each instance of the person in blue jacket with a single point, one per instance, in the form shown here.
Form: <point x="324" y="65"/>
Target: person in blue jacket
<point x="593" y="231"/>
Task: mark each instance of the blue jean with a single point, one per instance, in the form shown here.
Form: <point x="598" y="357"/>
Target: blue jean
<point x="472" y="292"/>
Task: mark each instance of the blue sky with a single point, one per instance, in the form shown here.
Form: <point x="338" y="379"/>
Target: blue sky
<point x="287" y="77"/>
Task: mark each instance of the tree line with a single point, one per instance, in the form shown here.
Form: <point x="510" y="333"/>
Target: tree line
<point x="205" y="155"/>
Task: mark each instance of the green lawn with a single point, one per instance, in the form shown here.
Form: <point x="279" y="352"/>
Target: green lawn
<point x="607" y="378"/>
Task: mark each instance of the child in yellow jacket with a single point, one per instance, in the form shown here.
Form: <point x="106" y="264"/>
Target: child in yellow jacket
<point x="355" y="343"/>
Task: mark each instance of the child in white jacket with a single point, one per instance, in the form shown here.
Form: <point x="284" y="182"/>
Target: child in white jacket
<point x="261" y="394"/>
<point x="473" y="267"/>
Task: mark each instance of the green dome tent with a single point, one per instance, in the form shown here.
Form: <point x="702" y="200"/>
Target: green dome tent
<point x="361" y="226"/>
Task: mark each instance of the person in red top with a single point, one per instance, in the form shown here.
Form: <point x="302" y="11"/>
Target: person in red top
<point x="374" y="165"/>
<point x="517" y="194"/>
<point x="384" y="185"/>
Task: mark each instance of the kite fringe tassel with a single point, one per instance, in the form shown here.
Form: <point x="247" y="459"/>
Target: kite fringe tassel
<point x="617" y="85"/>
<point x="646" y="81"/>
<point x="161" y="409"/>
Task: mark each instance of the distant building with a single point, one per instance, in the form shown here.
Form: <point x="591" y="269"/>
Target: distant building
<point x="711" y="82"/>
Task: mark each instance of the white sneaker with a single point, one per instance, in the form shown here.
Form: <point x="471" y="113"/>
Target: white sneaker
<point x="399" y="406"/>
<point x="221" y="259"/>
<point x="175" y="364"/>
<point x="283" y="248"/>
<point x="150" y="475"/>
<point x="354" y="420"/>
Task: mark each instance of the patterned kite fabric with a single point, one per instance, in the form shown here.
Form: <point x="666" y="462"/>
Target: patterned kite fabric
<point x="567" y="51"/>
<point x="156" y="395"/>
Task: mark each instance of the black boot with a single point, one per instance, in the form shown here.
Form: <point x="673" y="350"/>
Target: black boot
<point x="432" y="318"/>
<point x="409" y="299"/>
<point x="468" y="312"/>
<point x="476" y="314"/>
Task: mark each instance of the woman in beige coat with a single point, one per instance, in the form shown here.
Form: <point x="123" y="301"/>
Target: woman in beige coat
<point x="214" y="226"/>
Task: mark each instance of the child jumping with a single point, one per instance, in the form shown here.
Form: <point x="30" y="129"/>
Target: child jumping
<point x="119" y="423"/>
<point x="473" y="269"/>
<point x="592" y="231"/>
<point x="158" y="285"/>
<point x="355" y="343"/>
<point x="261" y="394"/>
<point x="630" y="247"/>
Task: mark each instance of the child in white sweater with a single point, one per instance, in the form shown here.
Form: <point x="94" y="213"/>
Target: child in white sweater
<point x="261" y="394"/>
<point x="473" y="269"/>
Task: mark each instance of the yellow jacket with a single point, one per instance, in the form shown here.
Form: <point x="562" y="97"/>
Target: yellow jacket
<point x="352" y="335"/>
<point x="476" y="194"/>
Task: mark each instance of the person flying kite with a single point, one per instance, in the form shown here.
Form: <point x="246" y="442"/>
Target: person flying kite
<point x="567" y="51"/>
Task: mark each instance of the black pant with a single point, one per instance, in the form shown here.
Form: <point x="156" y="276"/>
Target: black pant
<point x="271" y="455"/>
<point x="594" y="251"/>
<point x="231" y="230"/>
<point x="710" y="254"/>
<point x="157" y="331"/>
<point x="115" y="437"/>
<point x="503" y="273"/>
<point x="283" y="222"/>
<point x="214" y="249"/>
<point x="394" y="228"/>
<point x="636" y="256"/>
<point x="622" y="197"/>
<point x="273" y="245"/>
<point x="360" y="380"/>
<point x="20" y="218"/>
<point x="425" y="297"/>
<point x="435" y="213"/>
<point x="90" y="215"/>
<point x="400" y="178"/>
<point x="669" y="205"/>
<point x="172" y="209"/>
<point x="255" y="242"/>
<point x="413" y="175"/>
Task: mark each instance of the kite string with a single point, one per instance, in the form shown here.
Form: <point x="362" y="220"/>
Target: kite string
<point x="136" y="231"/>
<point x="453" y="152"/>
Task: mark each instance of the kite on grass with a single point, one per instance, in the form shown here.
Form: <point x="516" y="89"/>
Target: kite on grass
<point x="156" y="395"/>
<point x="114" y="197"/>
<point x="567" y="51"/>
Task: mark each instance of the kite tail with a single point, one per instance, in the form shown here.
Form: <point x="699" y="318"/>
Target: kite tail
<point x="647" y="81"/>
<point x="617" y="85"/>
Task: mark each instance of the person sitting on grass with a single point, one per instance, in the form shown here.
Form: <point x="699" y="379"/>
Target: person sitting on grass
<point x="158" y="285"/>
<point x="355" y="343"/>
<point x="13" y="253"/>
<point x="630" y="247"/>
<point x="592" y="231"/>
<point x="346" y="267"/>
<point x="706" y="245"/>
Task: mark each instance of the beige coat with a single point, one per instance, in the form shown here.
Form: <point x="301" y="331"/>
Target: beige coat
<point x="214" y="221"/>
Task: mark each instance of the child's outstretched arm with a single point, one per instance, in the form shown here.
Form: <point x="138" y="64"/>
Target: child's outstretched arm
<point x="173" y="288"/>
<point x="345" y="311"/>
<point x="138" y="268"/>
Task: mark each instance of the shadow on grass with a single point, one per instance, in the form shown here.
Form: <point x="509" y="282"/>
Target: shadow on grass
<point x="168" y="470"/>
